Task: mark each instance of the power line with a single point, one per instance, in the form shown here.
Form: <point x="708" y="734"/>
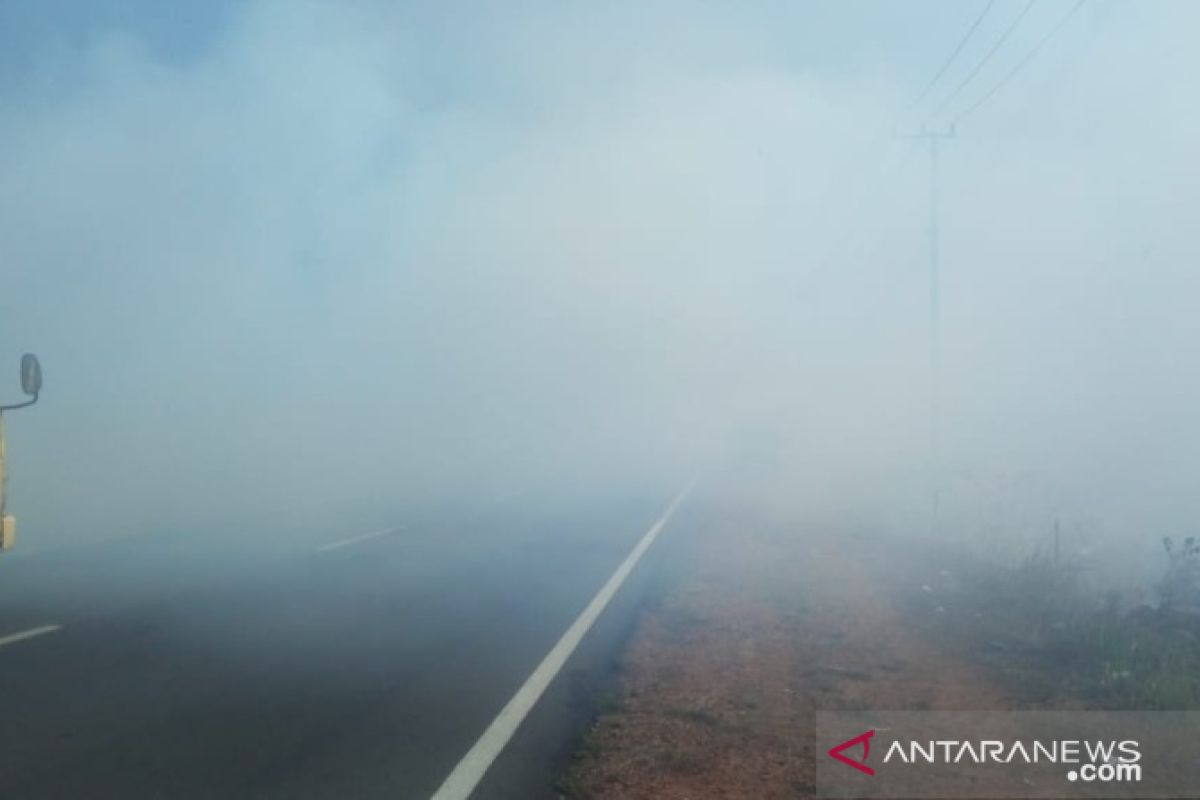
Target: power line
<point x="1021" y="64"/>
<point x="953" y="55"/>
<point x="986" y="58"/>
<point x="872" y="189"/>
<point x="987" y="6"/>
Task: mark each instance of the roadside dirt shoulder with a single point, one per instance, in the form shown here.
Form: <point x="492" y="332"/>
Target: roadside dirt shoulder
<point x="756" y="628"/>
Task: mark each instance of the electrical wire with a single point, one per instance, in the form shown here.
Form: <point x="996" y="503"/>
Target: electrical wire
<point x="874" y="190"/>
<point x="1021" y="64"/>
<point x="986" y="58"/>
<point x="953" y="55"/>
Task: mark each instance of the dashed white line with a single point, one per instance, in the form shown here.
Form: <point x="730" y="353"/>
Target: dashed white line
<point x="471" y="769"/>
<point x="13" y="638"/>
<point x="356" y="539"/>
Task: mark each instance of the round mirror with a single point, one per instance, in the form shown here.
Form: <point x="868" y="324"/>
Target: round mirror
<point x="31" y="374"/>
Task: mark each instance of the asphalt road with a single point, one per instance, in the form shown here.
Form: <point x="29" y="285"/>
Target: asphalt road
<point x="356" y="662"/>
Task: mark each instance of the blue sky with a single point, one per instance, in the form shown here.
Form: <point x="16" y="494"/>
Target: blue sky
<point x="832" y="36"/>
<point x="173" y="31"/>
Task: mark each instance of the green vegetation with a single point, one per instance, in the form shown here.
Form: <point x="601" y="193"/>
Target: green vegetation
<point x="1143" y="659"/>
<point x="1180" y="588"/>
<point x="1036" y="624"/>
<point x="571" y="782"/>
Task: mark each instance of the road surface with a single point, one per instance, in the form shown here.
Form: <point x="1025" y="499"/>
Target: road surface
<point x="359" y="662"/>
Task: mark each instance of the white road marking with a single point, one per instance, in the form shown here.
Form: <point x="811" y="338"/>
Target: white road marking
<point x="355" y="539"/>
<point x="13" y="638"/>
<point x="471" y="769"/>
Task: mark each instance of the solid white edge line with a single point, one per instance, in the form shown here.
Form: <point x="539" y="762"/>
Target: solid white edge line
<point x="461" y="782"/>
<point x="13" y="638"/>
<point x="355" y="539"/>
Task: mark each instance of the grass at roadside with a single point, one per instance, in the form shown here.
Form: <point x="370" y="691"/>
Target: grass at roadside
<point x="1053" y="640"/>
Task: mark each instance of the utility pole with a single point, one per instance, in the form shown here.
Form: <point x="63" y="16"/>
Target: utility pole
<point x="932" y="139"/>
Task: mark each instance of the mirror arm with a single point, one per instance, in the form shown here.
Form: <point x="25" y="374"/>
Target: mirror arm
<point x="20" y="405"/>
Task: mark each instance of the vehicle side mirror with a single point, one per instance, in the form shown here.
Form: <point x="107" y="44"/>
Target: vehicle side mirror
<point x="31" y="374"/>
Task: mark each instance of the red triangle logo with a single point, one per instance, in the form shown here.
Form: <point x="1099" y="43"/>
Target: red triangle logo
<point x="865" y="740"/>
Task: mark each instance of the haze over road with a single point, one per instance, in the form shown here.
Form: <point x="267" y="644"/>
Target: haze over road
<point x="357" y="663"/>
